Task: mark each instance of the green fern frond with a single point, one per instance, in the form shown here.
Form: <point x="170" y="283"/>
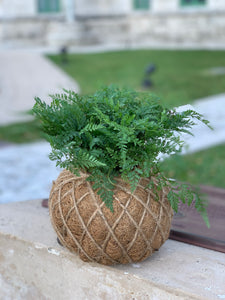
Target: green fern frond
<point x="117" y="132"/>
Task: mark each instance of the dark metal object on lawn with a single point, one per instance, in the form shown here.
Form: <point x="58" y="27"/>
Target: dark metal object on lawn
<point x="64" y="55"/>
<point x="147" y="82"/>
<point x="150" y="69"/>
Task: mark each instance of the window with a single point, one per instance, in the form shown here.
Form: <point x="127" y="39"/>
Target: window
<point x="48" y="6"/>
<point x="192" y="2"/>
<point x="141" y="4"/>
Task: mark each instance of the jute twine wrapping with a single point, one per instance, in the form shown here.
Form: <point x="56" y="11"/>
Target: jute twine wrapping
<point x="138" y="226"/>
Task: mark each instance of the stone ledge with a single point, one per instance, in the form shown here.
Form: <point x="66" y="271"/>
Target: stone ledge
<point x="32" y="263"/>
<point x="55" y="274"/>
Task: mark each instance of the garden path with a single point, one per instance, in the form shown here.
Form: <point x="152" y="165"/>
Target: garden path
<point x="213" y="109"/>
<point x="24" y="75"/>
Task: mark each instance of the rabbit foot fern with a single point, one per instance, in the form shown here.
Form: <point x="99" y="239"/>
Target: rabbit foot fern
<point x="117" y="132"/>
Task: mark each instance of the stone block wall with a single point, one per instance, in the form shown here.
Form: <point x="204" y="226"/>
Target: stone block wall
<point x="29" y="29"/>
<point x="216" y="4"/>
<point x="115" y="23"/>
<point x="24" y="32"/>
<point x="17" y="8"/>
<point x="165" y="5"/>
<point x="23" y="8"/>
<point x="174" y="30"/>
<point x="102" y="7"/>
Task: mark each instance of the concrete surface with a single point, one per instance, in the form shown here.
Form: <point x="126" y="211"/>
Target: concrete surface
<point x="26" y="172"/>
<point x="23" y="76"/>
<point x="166" y="24"/>
<point x="32" y="263"/>
<point x="213" y="109"/>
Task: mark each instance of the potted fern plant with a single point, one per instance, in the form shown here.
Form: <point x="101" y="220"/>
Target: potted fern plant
<point x="111" y="203"/>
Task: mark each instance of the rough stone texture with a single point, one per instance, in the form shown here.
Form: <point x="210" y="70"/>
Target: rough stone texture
<point x="14" y="8"/>
<point x="164" y="26"/>
<point x="31" y="261"/>
<point x="24" y="31"/>
<point x="212" y="4"/>
<point x="164" y="5"/>
<point x="16" y="289"/>
<point x="102" y="7"/>
<point x="59" y="34"/>
<point x="23" y="8"/>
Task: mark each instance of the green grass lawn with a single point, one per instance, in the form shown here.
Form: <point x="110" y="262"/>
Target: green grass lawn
<point x="180" y="78"/>
<point x="204" y="167"/>
<point x="23" y="132"/>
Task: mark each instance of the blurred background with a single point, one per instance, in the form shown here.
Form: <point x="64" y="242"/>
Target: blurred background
<point x="175" y="49"/>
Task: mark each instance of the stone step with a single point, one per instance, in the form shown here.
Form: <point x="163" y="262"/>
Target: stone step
<point x="34" y="265"/>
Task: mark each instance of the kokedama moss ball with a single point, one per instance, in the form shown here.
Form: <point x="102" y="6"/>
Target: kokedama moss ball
<point x="138" y="226"/>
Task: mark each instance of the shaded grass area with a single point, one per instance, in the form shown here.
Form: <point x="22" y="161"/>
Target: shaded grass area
<point x="23" y="132"/>
<point x="180" y="76"/>
<point x="204" y="167"/>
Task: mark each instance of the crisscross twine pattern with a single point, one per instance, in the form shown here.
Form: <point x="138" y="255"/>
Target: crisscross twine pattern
<point x="138" y="226"/>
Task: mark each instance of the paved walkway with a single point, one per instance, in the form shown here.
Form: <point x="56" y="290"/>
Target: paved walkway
<point x="213" y="109"/>
<point x="26" y="172"/>
<point x="24" y="75"/>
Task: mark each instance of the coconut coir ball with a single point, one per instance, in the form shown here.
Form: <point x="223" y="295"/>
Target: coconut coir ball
<point x="138" y="226"/>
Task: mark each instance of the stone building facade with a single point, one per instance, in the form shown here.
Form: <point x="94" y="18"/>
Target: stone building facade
<point x="118" y="23"/>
